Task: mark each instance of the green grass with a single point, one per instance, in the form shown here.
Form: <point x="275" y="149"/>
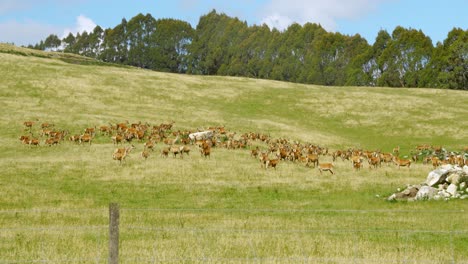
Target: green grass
<point x="223" y="209"/>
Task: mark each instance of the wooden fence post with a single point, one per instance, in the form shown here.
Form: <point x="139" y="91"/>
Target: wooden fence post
<point x="114" y="219"/>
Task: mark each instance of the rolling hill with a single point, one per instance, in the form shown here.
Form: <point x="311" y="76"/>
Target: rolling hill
<point x="63" y="186"/>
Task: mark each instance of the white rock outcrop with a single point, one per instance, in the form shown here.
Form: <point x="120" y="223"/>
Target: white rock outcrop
<point x="444" y="183"/>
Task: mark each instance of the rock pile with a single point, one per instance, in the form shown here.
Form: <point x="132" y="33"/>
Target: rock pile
<point x="444" y="183"/>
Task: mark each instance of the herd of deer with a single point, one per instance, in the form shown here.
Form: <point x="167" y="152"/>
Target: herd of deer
<point x="177" y="142"/>
<point x="275" y="150"/>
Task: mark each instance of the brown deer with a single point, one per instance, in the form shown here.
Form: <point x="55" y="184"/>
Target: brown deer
<point x="402" y="162"/>
<point x="149" y="145"/>
<point x="145" y="154"/>
<point x="87" y="138"/>
<point x="120" y="156"/>
<point x="176" y="150"/>
<point x="374" y="162"/>
<point x="272" y="163"/>
<point x="28" y="125"/>
<point x="326" y="167"/>
<point x="165" y="152"/>
<point x="312" y="158"/>
<point x="254" y="152"/>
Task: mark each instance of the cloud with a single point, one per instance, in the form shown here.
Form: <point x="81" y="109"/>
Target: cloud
<point x="32" y="32"/>
<point x="280" y="13"/>
<point x="21" y="5"/>
<point x="277" y="21"/>
<point x="25" y="33"/>
<point x="83" y="23"/>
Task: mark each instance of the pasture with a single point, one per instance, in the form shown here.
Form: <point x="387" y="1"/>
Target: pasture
<point x="224" y="208"/>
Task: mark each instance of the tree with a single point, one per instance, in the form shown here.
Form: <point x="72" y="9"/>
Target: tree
<point x="69" y="43"/>
<point x="52" y="42"/>
<point x="250" y="56"/>
<point x="169" y="45"/>
<point x="139" y="33"/>
<point x="449" y="66"/>
<point x="291" y="55"/>
<point x="405" y="58"/>
<point x="358" y="53"/>
<point x="376" y="66"/>
<point x="95" y="40"/>
<point x="214" y="42"/>
<point x="115" y="44"/>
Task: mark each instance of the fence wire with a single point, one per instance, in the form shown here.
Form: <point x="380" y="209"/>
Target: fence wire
<point x="42" y="238"/>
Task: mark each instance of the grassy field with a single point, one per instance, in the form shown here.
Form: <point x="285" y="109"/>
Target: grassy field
<point x="53" y="200"/>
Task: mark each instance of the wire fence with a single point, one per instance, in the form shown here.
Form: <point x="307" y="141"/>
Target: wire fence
<point x="185" y="235"/>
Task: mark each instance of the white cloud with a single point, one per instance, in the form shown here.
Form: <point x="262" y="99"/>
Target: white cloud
<point x="32" y="32"/>
<point x="83" y="23"/>
<point x="281" y="13"/>
<point x="21" y="5"/>
<point x="277" y="21"/>
<point x="25" y="33"/>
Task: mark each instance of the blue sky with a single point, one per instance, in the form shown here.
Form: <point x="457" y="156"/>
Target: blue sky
<point x="28" y="21"/>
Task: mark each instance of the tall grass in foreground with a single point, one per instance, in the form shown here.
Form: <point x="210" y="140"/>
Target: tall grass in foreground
<point x="230" y="235"/>
<point x="226" y="208"/>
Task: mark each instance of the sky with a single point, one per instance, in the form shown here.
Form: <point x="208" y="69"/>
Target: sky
<point x="24" y="22"/>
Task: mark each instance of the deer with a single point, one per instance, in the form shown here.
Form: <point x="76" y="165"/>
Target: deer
<point x="435" y="162"/>
<point x="149" y="145"/>
<point x="28" y="125"/>
<point x="402" y="162"/>
<point x="30" y="141"/>
<point x="326" y="167"/>
<point x="122" y="150"/>
<point x="86" y="138"/>
<point x="117" y="139"/>
<point x="396" y="150"/>
<point x="386" y="157"/>
<point x="165" y="152"/>
<point x="205" y="149"/>
<point x="254" y="152"/>
<point x="186" y="150"/>
<point x="46" y="125"/>
<point x="374" y="162"/>
<point x="357" y="165"/>
<point x="105" y="130"/>
<point x="24" y="139"/>
<point x="145" y="154"/>
<point x="272" y="163"/>
<point x="52" y="141"/>
<point x="176" y="150"/>
<point x="90" y="130"/>
<point x="75" y="138"/>
<point x="120" y="156"/>
<point x="313" y="158"/>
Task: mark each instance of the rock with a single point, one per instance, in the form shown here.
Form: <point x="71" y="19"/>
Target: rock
<point x="437" y="176"/>
<point x="444" y="194"/>
<point x="446" y="167"/>
<point x="457" y="177"/>
<point x="426" y="193"/>
<point x="452" y="189"/>
<point x="462" y="186"/>
<point x="444" y="183"/>
<point x="392" y="197"/>
<point x="465" y="169"/>
<point x="406" y="194"/>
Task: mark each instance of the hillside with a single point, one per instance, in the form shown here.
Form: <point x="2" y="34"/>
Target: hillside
<point x="36" y="87"/>
<point x="225" y="207"/>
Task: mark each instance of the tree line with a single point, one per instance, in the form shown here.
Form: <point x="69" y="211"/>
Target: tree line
<point x="223" y="45"/>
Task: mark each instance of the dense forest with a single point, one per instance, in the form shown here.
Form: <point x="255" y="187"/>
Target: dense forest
<point x="223" y="45"/>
